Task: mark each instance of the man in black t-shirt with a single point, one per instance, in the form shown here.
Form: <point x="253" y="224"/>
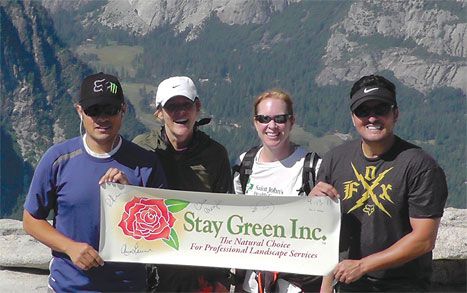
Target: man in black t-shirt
<point x="392" y="198"/>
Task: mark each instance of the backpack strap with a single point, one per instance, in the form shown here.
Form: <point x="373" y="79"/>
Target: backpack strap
<point x="246" y="166"/>
<point x="309" y="167"/>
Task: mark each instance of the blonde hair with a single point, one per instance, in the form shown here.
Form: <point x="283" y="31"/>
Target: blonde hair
<point x="274" y="94"/>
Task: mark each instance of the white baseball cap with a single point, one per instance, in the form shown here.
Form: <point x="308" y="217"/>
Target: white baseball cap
<point x="175" y="86"/>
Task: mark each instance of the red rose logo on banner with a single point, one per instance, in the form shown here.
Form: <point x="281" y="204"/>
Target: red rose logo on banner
<point x="152" y="219"/>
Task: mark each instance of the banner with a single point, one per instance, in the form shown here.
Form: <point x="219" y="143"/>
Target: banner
<point x="286" y="234"/>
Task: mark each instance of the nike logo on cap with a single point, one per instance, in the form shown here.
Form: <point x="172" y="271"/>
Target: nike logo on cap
<point x="174" y="86"/>
<point x="366" y="91"/>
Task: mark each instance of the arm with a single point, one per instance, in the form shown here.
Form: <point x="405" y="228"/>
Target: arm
<point x="418" y="242"/>
<point x="82" y="255"/>
<point x="326" y="284"/>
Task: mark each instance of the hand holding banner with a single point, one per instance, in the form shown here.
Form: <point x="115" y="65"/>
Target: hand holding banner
<point x="286" y="234"/>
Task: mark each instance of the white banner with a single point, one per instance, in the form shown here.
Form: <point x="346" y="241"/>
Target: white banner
<point x="286" y="234"/>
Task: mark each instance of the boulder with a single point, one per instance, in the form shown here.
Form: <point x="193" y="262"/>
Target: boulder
<point x="9" y="227"/>
<point x="451" y="242"/>
<point x="20" y="250"/>
<point x="450" y="253"/>
<point x="23" y="280"/>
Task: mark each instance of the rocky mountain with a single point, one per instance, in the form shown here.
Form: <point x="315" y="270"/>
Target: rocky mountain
<point x="34" y="71"/>
<point x="39" y="80"/>
<point x="422" y="42"/>
<point x="142" y="16"/>
<point x="425" y="46"/>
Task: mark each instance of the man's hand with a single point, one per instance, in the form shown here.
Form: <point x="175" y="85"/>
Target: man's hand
<point x="115" y="176"/>
<point x="418" y="242"/>
<point x="84" y="255"/>
<point x="349" y="270"/>
<point x="324" y="189"/>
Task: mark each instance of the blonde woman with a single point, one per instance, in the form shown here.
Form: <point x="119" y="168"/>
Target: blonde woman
<point x="277" y="170"/>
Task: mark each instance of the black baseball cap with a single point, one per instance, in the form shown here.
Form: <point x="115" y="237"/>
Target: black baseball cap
<point x="100" y="89"/>
<point x="369" y="93"/>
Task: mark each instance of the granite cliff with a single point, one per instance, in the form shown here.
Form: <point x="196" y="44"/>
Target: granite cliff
<point x="141" y="16"/>
<point x="430" y="51"/>
<point x="422" y="42"/>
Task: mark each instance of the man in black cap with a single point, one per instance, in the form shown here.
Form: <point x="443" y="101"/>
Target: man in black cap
<point x="101" y="94"/>
<point x="392" y="198"/>
<point x="66" y="181"/>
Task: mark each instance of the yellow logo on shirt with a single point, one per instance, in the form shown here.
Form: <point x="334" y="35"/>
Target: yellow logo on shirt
<point x="369" y="182"/>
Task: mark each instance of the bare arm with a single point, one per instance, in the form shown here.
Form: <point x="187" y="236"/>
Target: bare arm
<point x="83" y="255"/>
<point x="418" y="242"/>
<point x="326" y="284"/>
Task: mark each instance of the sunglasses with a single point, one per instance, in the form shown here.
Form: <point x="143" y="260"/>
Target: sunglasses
<point x="264" y="119"/>
<point x="185" y="106"/>
<point x="378" y="110"/>
<point x="103" y="110"/>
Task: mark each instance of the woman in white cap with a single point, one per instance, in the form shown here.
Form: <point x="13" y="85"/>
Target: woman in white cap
<point x="192" y="162"/>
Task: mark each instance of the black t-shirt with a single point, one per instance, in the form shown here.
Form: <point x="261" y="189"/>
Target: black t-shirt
<point x="379" y="196"/>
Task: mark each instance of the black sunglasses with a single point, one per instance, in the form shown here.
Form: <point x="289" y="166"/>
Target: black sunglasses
<point x="103" y="110"/>
<point x="378" y="110"/>
<point x="277" y="118"/>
